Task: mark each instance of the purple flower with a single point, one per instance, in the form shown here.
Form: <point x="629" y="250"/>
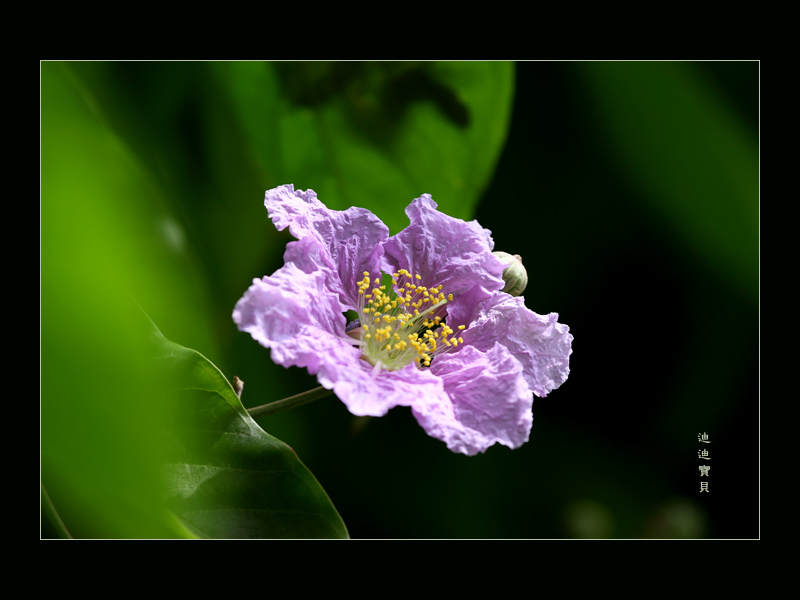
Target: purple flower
<point x="434" y="332"/>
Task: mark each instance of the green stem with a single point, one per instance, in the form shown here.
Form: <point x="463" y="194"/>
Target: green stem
<point x="290" y="402"/>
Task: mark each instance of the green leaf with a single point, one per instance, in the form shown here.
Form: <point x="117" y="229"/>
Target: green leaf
<point x="102" y="245"/>
<point x="374" y="134"/>
<point x="104" y="419"/>
<point x="227" y="478"/>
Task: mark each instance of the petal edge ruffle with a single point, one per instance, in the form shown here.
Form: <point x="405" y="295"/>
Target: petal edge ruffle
<point x="295" y="315"/>
<point x="539" y="342"/>
<point x="445" y="251"/>
<point x="489" y="401"/>
<point x="351" y="241"/>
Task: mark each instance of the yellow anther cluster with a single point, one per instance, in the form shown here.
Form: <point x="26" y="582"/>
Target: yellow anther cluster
<point x="401" y="325"/>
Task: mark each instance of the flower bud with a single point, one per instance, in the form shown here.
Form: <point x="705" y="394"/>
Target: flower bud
<point x="238" y="384"/>
<point x="515" y="275"/>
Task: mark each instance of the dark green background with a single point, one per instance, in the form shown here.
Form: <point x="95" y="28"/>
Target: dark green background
<point x="629" y="188"/>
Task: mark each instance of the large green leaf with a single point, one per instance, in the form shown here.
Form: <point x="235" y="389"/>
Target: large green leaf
<point x="107" y="238"/>
<point x="373" y="134"/>
<point x="103" y="243"/>
<point x="227" y="477"/>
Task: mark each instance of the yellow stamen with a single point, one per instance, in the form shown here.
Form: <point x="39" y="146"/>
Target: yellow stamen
<point x="403" y="331"/>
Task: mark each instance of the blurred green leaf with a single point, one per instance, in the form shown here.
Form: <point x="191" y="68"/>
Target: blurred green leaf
<point x="179" y="124"/>
<point x="103" y="243"/>
<point x="227" y="477"/>
<point x="374" y="134"/>
<point x="688" y="154"/>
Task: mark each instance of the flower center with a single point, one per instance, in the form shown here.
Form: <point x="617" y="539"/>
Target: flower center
<point x="405" y="324"/>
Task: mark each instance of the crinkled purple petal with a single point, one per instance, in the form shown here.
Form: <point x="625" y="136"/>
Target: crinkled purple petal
<point x="350" y="240"/>
<point x="489" y="401"/>
<point x="368" y="391"/>
<point x="539" y="342"/>
<point x="310" y="257"/>
<point x="446" y="251"/>
<point x="297" y="316"/>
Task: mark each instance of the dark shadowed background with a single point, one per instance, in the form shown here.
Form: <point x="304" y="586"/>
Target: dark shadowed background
<point x="630" y="189"/>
